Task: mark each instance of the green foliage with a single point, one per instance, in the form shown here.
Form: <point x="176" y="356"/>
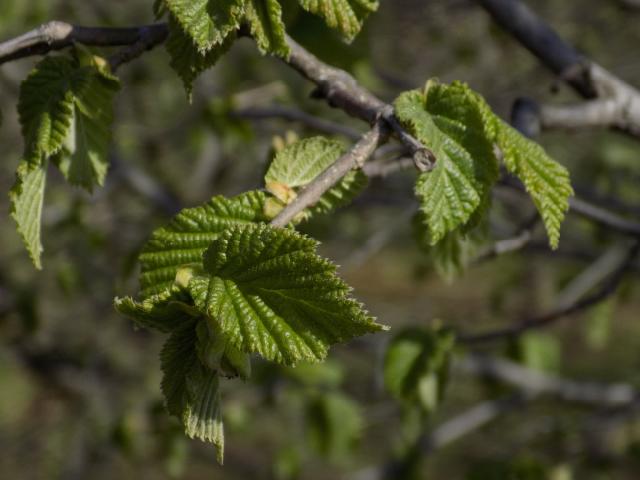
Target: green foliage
<point x="27" y="197"/>
<point x="187" y="60"/>
<point x="461" y="130"/>
<point x="189" y="234"/>
<point x="334" y="423"/>
<point x="297" y="164"/>
<point x="270" y="293"/>
<point x="537" y="351"/>
<point x="224" y="286"/>
<point x="207" y="22"/>
<point x="65" y="111"/>
<point x="346" y="16"/>
<point x="201" y="31"/>
<point x="416" y="366"/>
<point x="267" y="28"/>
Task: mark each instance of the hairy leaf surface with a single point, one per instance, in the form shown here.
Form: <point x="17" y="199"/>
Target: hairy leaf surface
<point x="27" y="197"/>
<point x="268" y="292"/>
<point x="267" y="28"/>
<point x="189" y="234"/>
<point x="187" y="61"/>
<point x="346" y="16"/>
<point x="207" y="22"/>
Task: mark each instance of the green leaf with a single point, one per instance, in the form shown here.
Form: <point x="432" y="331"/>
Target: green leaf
<point x="267" y="27"/>
<point x="334" y="425"/>
<point x="207" y="23"/>
<point x="189" y="234"/>
<point x="546" y="180"/>
<point x="202" y="416"/>
<point x="164" y="312"/>
<point x="267" y="292"/>
<point x="187" y="61"/>
<point x="45" y="106"/>
<point x="298" y="164"/>
<point x="27" y="196"/>
<point x="449" y="122"/>
<point x="347" y="16"/>
<point x="416" y="366"/>
<point x="461" y="130"/>
<point x="84" y="157"/>
<point x="191" y="389"/>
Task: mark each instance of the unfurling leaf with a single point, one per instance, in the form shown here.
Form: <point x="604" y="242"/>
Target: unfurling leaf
<point x="65" y="112"/>
<point x="207" y="23"/>
<point x="189" y="62"/>
<point x="267" y="291"/>
<point x="267" y="28"/>
<point x="298" y="164"/>
<point x="27" y="196"/>
<point x="346" y="16"/>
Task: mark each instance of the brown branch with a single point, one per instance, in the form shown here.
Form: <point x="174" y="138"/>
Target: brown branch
<point x="535" y="383"/>
<point x="354" y="158"/>
<point x="607" y="289"/>
<point x="57" y="35"/>
<point x="619" y="102"/>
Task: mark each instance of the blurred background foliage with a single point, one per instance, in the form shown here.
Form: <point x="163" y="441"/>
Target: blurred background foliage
<point x="79" y="386"/>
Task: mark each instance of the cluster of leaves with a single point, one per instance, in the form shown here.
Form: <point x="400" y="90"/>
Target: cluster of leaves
<point x="224" y="284"/>
<point x="467" y="139"/>
<point x="416" y="366"/>
<point x="65" y="110"/>
<point x="201" y="31"/>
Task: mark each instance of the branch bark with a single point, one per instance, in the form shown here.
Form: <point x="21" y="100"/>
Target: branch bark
<point x="618" y="104"/>
<point x="607" y="289"/>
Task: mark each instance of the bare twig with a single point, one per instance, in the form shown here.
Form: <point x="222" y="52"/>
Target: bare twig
<point x="618" y="103"/>
<point x="56" y="35"/>
<point x="517" y="242"/>
<point x="606" y="289"/>
<point x="383" y="168"/>
<point x="535" y="383"/>
<point x="354" y="158"/>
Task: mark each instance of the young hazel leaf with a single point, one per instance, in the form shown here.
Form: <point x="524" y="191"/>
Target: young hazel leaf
<point x="189" y="234"/>
<point x="45" y="106"/>
<point x="267" y="28"/>
<point x="187" y="61"/>
<point x="546" y="180"/>
<point x="300" y="163"/>
<point x="207" y="22"/>
<point x="267" y="291"/>
<point x="346" y="16"/>
<point x="191" y="389"/>
<point x="83" y="159"/>
<point x="27" y="196"/>
<point x="452" y="191"/>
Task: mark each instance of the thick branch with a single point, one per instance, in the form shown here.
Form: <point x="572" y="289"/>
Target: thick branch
<point x="620" y="105"/>
<point x="354" y="158"/>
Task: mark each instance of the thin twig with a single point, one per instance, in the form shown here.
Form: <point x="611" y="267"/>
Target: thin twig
<point x="535" y="383"/>
<point x="354" y="158"/>
<point x="607" y="289"/>
<point x="56" y="35"/>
